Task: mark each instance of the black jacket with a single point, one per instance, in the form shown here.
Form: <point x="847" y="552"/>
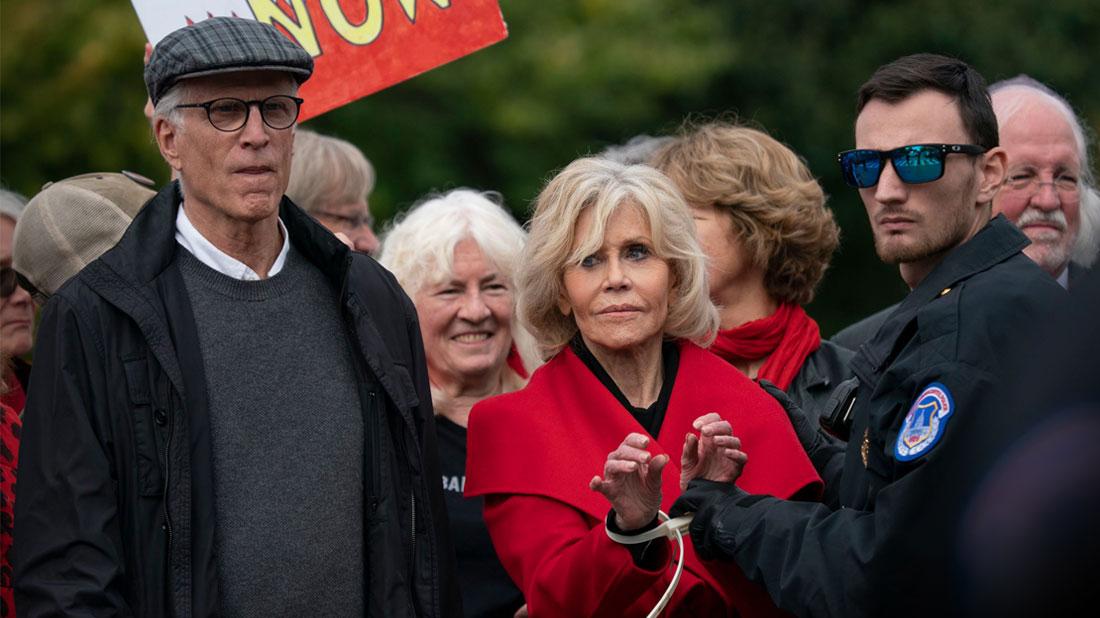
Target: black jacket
<point x="115" y="510"/>
<point x="954" y="329"/>
<point x="855" y="335"/>
<point x="828" y="366"/>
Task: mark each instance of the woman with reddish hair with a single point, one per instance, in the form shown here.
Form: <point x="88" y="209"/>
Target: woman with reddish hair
<point x="761" y="219"/>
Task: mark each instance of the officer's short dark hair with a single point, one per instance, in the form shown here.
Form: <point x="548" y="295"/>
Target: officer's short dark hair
<point x="906" y="76"/>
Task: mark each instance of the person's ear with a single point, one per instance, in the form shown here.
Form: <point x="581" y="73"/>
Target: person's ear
<point x="167" y="135"/>
<point x="563" y="304"/>
<point x="992" y="174"/>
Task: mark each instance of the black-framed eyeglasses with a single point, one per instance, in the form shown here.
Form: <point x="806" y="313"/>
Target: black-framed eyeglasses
<point x="915" y="164"/>
<point x="229" y="114"/>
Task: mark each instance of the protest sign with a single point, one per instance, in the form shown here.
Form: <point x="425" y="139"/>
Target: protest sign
<point x="358" y="46"/>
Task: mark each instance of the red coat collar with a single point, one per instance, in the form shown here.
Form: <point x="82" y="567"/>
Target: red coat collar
<point x="553" y="436"/>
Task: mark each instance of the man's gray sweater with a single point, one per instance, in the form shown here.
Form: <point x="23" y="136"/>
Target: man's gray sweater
<point x="287" y="439"/>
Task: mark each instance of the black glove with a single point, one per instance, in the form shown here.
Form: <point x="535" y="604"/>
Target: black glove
<point x="807" y="433"/>
<point x="705" y="499"/>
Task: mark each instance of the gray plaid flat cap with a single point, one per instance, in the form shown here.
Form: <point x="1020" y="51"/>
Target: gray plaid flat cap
<point x="223" y="45"/>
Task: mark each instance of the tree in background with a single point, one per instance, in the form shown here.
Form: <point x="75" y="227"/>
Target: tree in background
<point x="573" y="77"/>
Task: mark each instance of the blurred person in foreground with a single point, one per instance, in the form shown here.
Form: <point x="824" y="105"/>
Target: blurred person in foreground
<point x="332" y="180"/>
<point x="70" y="223"/>
<point x="927" y="166"/>
<point x="761" y="219"/>
<point x="1049" y="189"/>
<point x="613" y="287"/>
<point x="231" y="412"/>
<point x="16" y="309"/>
<point x="461" y="278"/>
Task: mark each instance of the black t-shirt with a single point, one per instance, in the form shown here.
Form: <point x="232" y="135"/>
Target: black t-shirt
<point x="487" y="591"/>
<point x="649" y="418"/>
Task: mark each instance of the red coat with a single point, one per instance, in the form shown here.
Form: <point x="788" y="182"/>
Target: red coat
<point x="533" y="452"/>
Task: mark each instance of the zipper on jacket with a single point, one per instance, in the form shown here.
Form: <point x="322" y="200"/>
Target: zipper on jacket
<point x="412" y="496"/>
<point x="167" y="474"/>
<point x="412" y="490"/>
<point x="372" y="442"/>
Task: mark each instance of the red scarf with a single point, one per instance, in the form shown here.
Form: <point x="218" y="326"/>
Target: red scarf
<point x="16" y="399"/>
<point x="787" y="338"/>
<point x="515" y="361"/>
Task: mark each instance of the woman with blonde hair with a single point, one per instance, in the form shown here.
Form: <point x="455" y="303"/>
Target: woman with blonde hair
<point x="612" y="285"/>
<point x="455" y="256"/>
<point x="761" y="219"/>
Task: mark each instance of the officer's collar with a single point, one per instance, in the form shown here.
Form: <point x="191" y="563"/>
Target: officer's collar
<point x="993" y="244"/>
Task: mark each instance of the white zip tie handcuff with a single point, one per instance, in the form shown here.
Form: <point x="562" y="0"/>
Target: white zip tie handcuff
<point x="672" y="528"/>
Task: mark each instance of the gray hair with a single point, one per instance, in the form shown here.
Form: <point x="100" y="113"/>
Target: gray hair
<point x="12" y="204"/>
<point x="419" y="247"/>
<point x="166" y="106"/>
<point x="1015" y="93"/>
<point x="604" y="186"/>
<point x="638" y="150"/>
<point x="327" y="170"/>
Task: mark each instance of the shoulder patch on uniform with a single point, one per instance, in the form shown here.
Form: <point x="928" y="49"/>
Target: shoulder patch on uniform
<point x="925" y="422"/>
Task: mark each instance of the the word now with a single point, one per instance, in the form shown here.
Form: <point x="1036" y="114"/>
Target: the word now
<point x="300" y="24"/>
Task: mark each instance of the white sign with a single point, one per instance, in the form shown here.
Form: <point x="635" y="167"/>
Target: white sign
<point x="160" y="17"/>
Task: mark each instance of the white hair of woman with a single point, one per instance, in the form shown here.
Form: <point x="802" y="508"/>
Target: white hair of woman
<point x="12" y="204"/>
<point x="419" y="246"/>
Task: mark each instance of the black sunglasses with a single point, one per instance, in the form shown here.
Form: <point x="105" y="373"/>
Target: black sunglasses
<point x="914" y="164"/>
<point x="39" y="296"/>
<point x="8" y="281"/>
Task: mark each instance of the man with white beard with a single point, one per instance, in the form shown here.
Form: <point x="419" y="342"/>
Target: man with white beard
<point x="1049" y="189"/>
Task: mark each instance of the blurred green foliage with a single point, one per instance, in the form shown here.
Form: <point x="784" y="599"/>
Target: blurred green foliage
<point x="573" y="77"/>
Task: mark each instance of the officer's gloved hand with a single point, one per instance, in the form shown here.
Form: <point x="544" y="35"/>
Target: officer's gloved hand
<point x="805" y="429"/>
<point x="705" y="499"/>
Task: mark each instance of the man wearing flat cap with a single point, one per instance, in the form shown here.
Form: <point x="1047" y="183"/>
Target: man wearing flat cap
<point x="230" y="413"/>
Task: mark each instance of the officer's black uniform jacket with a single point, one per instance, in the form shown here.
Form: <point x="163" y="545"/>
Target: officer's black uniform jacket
<point x="115" y="510"/>
<point x="953" y="328"/>
<point x="828" y="366"/>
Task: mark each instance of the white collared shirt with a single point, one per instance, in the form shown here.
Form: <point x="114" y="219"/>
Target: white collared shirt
<point x="191" y="239"/>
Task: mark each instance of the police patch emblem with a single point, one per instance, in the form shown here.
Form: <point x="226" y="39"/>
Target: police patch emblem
<point x="925" y="422"/>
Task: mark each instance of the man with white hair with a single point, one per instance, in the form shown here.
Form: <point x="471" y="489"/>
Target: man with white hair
<point x="230" y="413"/>
<point x="1049" y="185"/>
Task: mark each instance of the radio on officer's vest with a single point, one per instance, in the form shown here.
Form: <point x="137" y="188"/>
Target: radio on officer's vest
<point x="837" y="419"/>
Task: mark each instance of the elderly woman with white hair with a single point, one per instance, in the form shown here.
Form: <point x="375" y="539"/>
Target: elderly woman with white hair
<point x="613" y="287"/>
<point x="455" y="255"/>
<point x="332" y="180"/>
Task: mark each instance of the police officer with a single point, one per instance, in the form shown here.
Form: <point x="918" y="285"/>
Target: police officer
<point x="927" y="166"/>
